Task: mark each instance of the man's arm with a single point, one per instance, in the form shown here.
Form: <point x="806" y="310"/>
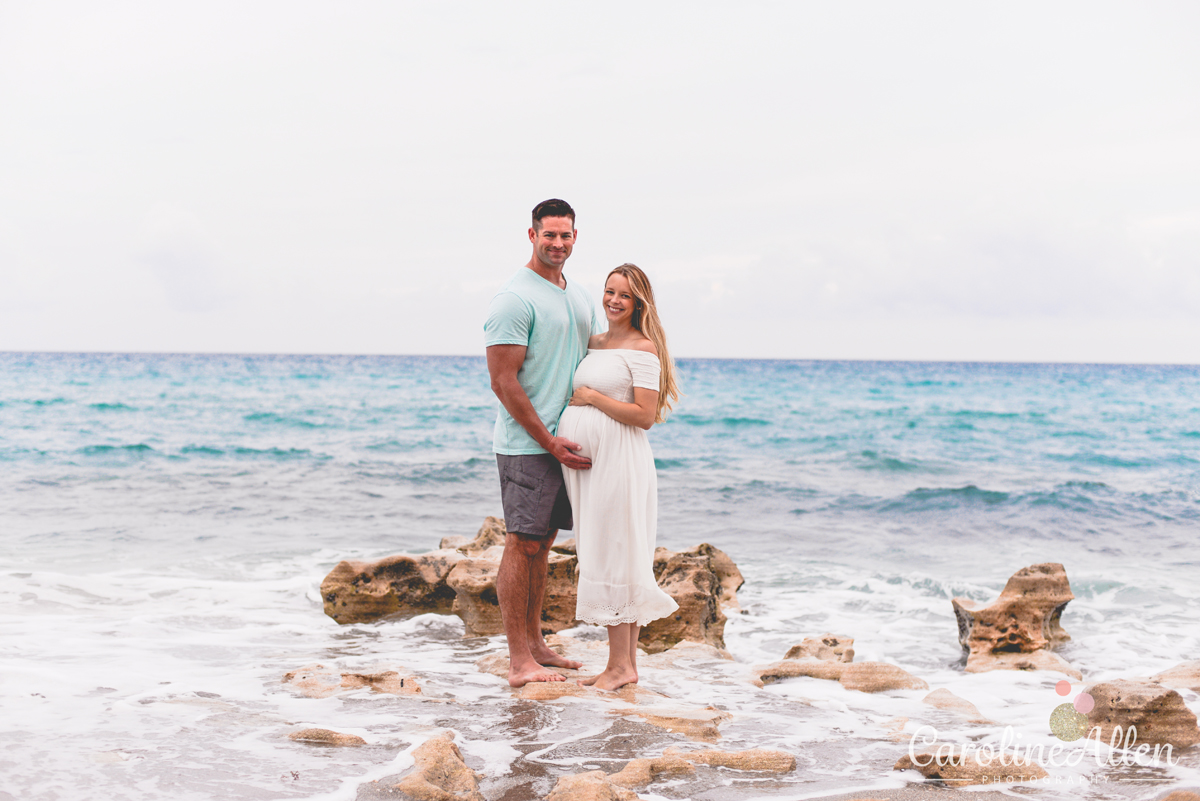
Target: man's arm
<point x="504" y="362"/>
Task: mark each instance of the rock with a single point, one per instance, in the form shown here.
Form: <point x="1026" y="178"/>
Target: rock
<point x="867" y="677"/>
<point x="326" y="737"/>
<point x="318" y="681"/>
<point x="473" y="580"/>
<point x="1038" y="660"/>
<point x="957" y="767"/>
<point x="682" y="653"/>
<point x="490" y="535"/>
<point x="640" y="772"/>
<point x="359" y="592"/>
<point x="827" y="648"/>
<point x="1157" y="713"/>
<point x="1025" y="619"/>
<point x="760" y="759"/>
<point x="591" y="786"/>
<point x="1181" y="795"/>
<point x="453" y="542"/>
<point x="692" y="722"/>
<point x="566" y="546"/>
<point x="1184" y="676"/>
<point x="944" y="699"/>
<point x="701" y="581"/>
<point x="440" y="773"/>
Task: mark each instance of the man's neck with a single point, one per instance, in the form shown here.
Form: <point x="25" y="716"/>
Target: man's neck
<point x="552" y="274"/>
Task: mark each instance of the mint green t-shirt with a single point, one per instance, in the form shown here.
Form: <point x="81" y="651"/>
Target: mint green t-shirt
<point x="555" y="325"/>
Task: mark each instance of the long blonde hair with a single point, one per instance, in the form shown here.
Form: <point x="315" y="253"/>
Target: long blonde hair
<point x="645" y="319"/>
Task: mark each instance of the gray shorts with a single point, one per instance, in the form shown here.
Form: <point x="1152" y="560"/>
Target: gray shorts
<point x="534" y="494"/>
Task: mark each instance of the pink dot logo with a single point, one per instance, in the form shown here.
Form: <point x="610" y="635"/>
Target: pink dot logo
<point x="1069" y="721"/>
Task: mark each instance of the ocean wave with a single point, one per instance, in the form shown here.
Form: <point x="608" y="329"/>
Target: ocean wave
<point x="924" y="499"/>
<point x="111" y="407"/>
<point x="283" y="420"/>
<point x="202" y="450"/>
<point x="732" y="422"/>
<point x="277" y="453"/>
<point x="102" y="450"/>
<point x="889" y="463"/>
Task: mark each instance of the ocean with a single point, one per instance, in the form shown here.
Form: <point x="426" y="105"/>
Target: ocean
<point x="166" y="521"/>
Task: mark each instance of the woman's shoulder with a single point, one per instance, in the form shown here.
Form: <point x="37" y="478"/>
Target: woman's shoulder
<point x="597" y="341"/>
<point x="643" y="346"/>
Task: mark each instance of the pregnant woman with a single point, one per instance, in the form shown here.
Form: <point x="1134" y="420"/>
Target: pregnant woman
<point x="624" y="385"/>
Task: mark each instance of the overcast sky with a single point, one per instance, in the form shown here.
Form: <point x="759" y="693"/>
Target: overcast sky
<point x="1016" y="181"/>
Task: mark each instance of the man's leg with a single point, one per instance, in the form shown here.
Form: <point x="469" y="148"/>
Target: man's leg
<point x="524" y="557"/>
<point x="538" y="573"/>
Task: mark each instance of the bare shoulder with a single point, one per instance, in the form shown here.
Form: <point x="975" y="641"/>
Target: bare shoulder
<point x="645" y="346"/>
<point x="597" y="340"/>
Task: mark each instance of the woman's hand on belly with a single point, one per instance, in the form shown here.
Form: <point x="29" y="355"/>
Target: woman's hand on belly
<point x="584" y="396"/>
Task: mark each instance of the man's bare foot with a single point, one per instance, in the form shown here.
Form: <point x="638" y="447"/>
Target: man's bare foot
<point x="544" y="656"/>
<point x="535" y="672"/>
<point x="611" y="679"/>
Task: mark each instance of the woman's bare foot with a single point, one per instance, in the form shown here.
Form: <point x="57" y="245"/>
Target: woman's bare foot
<point x="535" y="672"/>
<point x="545" y="656"/>
<point x="611" y="679"/>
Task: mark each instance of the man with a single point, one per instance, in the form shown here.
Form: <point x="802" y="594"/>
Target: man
<point x="536" y="333"/>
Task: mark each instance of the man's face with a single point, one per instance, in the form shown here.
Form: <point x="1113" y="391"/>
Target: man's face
<point x="552" y="242"/>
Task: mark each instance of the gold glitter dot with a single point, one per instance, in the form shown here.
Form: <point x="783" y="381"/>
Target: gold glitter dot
<point x="1067" y="724"/>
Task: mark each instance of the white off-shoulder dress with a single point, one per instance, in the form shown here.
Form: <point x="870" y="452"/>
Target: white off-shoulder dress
<point x="615" y="503"/>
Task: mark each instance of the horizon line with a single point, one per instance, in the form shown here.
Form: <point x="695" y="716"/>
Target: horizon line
<point x="695" y="358"/>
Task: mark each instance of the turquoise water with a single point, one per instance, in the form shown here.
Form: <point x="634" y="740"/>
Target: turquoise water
<point x="176" y="513"/>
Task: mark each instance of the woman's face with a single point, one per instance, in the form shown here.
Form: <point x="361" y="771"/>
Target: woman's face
<point x="618" y="300"/>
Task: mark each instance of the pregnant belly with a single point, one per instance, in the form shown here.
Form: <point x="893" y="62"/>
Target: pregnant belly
<point x="584" y="425"/>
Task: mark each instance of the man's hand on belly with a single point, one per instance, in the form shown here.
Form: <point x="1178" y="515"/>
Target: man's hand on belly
<point x="564" y="449"/>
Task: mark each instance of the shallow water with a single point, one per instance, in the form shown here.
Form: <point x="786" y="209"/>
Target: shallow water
<point x="168" y="519"/>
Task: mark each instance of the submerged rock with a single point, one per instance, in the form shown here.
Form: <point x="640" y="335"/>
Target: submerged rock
<point x="326" y="737"/>
<point x="640" y="772"/>
<point x="593" y="785"/>
<point x="944" y="699"/>
<point x="1025" y="619"/>
<point x="440" y="773"/>
<point x="1155" y="712"/>
<point x="695" y="723"/>
<point x="1184" y="676"/>
<point x="827" y="648"/>
<point x="758" y="759"/>
<point x="867" y="677"/>
<point x="958" y="767"/>
<point x="318" y="681"/>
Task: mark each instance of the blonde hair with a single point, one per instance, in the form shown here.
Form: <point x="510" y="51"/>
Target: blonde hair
<point x="645" y="319"/>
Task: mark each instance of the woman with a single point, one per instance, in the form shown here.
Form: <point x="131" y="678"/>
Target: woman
<point x="624" y="385"/>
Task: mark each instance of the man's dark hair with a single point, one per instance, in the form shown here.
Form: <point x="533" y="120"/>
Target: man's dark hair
<point x="552" y="208"/>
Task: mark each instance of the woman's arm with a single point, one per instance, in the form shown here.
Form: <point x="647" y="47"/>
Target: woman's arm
<point x="640" y="413"/>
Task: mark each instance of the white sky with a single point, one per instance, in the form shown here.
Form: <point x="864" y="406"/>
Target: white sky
<point x="1016" y="181"/>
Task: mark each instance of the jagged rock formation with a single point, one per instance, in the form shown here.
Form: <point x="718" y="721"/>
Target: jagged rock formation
<point x="318" y="681"/>
<point x="326" y="737"/>
<point x="958" y="767"/>
<point x="1024" y="620"/>
<point x="440" y="773"/>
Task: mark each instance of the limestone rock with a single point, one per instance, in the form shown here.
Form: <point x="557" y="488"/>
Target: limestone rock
<point x="1038" y="660"/>
<point x="692" y="722"/>
<point x="640" y="772"/>
<point x="359" y="592"/>
<point x="326" y="737"/>
<point x="1158" y="713"/>
<point x="318" y="681"/>
<point x="700" y="580"/>
<point x="1184" y="676"/>
<point x="867" y="677"/>
<point x="473" y="580"/>
<point x="590" y="786"/>
<point x="959" y="768"/>
<point x="1181" y="795"/>
<point x="440" y="773"/>
<point x="566" y="546"/>
<point x="1023" y="620"/>
<point x="491" y="534"/>
<point x="453" y="542"/>
<point x="827" y="648"/>
<point x="765" y="760"/>
<point x="682" y="653"/>
<point x="944" y="699"/>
